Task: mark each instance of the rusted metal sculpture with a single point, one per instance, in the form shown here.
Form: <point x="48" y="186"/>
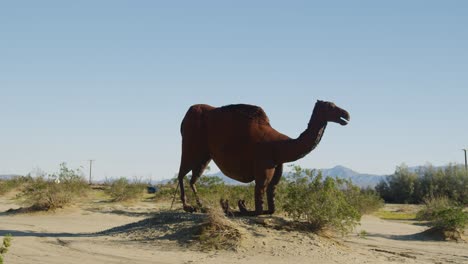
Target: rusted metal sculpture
<point x="240" y="140"/>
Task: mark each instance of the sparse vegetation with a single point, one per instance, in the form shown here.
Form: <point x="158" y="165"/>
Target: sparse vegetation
<point x="304" y="195"/>
<point x="4" y="247"/>
<point x="12" y="184"/>
<point x="56" y="191"/>
<point x="122" y="190"/>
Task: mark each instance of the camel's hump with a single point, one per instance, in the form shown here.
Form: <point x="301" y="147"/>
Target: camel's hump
<point x="251" y="111"/>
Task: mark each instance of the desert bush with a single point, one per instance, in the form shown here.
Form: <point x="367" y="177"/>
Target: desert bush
<point x="321" y="203"/>
<point x="433" y="205"/>
<point x="365" y="201"/>
<point x="47" y="194"/>
<point x="446" y="219"/>
<point x="444" y="214"/>
<point x="123" y="190"/>
<point x="4" y="247"/>
<point x="452" y="219"/>
<point x="218" y="232"/>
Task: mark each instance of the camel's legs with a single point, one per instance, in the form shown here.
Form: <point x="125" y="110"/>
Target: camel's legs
<point x="195" y="163"/>
<point x="272" y="187"/>
<point x="196" y="173"/>
<point x="183" y="170"/>
<point x="259" y="193"/>
<point x="262" y="180"/>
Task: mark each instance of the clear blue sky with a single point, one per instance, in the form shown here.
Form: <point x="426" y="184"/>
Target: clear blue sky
<point x="111" y="80"/>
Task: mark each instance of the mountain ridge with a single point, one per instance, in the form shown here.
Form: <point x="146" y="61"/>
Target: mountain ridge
<point x="362" y="180"/>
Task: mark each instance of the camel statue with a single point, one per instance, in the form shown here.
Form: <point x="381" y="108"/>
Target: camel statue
<point x="240" y="140"/>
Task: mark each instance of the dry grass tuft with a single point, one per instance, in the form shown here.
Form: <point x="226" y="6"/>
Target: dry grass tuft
<point x="218" y="232"/>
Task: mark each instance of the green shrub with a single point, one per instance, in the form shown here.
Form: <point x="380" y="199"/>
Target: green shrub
<point x="47" y="194"/>
<point x="433" y="205"/>
<point x="443" y="214"/>
<point x="122" y="190"/>
<point x="4" y="247"/>
<point x="450" y="219"/>
<point x="322" y="204"/>
<point x="366" y="201"/>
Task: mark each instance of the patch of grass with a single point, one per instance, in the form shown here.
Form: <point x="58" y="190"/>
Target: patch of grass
<point x="394" y="215"/>
<point x="218" y="232"/>
<point x="4" y="247"/>
<point x="121" y="190"/>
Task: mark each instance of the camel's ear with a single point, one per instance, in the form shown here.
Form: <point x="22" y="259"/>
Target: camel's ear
<point x="319" y="101"/>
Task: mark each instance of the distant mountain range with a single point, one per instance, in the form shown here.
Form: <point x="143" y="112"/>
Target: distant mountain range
<point x="359" y="179"/>
<point x="7" y="176"/>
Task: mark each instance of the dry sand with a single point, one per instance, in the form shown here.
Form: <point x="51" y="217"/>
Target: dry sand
<point x="146" y="232"/>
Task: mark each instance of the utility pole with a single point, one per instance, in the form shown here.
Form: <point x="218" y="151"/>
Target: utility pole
<point x="466" y="165"/>
<point x="90" y="170"/>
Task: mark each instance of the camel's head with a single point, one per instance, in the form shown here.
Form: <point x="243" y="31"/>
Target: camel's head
<point x="331" y="113"/>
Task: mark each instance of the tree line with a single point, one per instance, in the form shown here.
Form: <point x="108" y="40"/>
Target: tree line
<point x="413" y="186"/>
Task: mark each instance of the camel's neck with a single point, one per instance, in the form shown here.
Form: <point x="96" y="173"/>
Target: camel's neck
<point x="294" y="149"/>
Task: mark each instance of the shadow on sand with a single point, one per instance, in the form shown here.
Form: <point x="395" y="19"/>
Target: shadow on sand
<point x="169" y="225"/>
<point x="123" y="212"/>
<point x="430" y="234"/>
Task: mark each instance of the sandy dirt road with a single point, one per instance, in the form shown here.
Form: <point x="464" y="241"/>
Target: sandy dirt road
<point x="142" y="233"/>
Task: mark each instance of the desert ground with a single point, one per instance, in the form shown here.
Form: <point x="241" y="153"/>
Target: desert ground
<point x="99" y="231"/>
